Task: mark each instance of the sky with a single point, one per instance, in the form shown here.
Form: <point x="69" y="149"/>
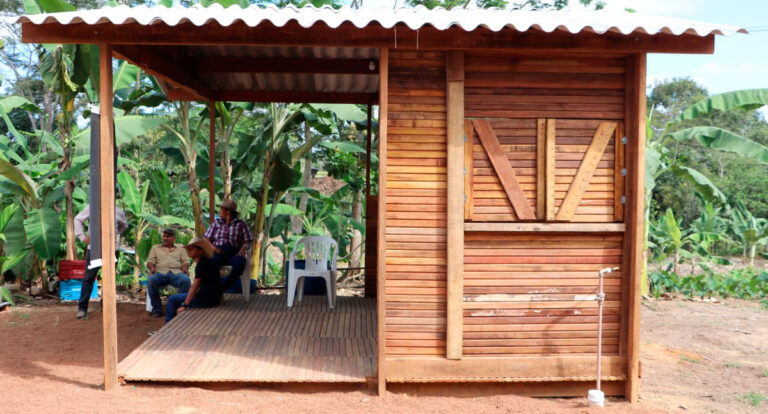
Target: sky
<point x="739" y="62"/>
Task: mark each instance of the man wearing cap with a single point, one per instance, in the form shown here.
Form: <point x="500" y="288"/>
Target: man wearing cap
<point x="168" y="264"/>
<point x="230" y="237"/>
<point x="205" y="291"/>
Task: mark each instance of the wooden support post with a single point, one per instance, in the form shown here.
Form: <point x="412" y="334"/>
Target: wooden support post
<point x="454" y="68"/>
<point x="541" y="169"/>
<point x="107" y="174"/>
<point x="469" y="167"/>
<point x="635" y="219"/>
<point x="211" y="161"/>
<point x="368" y="153"/>
<point x="550" y="179"/>
<point x="381" y="269"/>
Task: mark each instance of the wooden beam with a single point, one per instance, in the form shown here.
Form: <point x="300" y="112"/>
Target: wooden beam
<point x="454" y="70"/>
<point x="551" y="157"/>
<point x="618" y="173"/>
<point x="503" y="169"/>
<point x="175" y="70"/>
<point x="546" y="227"/>
<point x="278" y="96"/>
<point x="381" y="269"/>
<point x="211" y="162"/>
<point x="469" y="173"/>
<point x="635" y="225"/>
<point x="523" y="368"/>
<point x="541" y="161"/>
<point x="107" y="174"/>
<point x="586" y="171"/>
<point x="500" y="386"/>
<point x="374" y="35"/>
<point x="226" y="64"/>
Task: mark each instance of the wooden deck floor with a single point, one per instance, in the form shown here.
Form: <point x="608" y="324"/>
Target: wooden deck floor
<point x="262" y="341"/>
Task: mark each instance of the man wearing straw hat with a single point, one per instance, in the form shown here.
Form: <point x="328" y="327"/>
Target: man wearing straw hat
<point x="230" y="237"/>
<point x="205" y="291"/>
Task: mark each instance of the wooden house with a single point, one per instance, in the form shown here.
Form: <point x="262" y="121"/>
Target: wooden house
<point x="511" y="149"/>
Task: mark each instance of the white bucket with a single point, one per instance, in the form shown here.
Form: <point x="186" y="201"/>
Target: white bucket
<point x="596" y="398"/>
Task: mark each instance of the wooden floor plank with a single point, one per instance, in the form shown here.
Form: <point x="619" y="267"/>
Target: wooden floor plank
<point x="262" y="341"/>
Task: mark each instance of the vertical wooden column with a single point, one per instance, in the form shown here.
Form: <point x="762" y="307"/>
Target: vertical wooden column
<point x="107" y="174"/>
<point x="211" y="161"/>
<point x="635" y="219"/>
<point x="454" y="69"/>
<point x="381" y="268"/>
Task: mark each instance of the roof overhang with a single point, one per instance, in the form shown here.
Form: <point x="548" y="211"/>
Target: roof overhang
<point x="311" y="54"/>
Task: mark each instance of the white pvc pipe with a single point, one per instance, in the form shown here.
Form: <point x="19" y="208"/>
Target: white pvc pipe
<point x="597" y="397"/>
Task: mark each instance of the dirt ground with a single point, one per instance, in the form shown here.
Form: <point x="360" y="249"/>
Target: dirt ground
<point x="697" y="357"/>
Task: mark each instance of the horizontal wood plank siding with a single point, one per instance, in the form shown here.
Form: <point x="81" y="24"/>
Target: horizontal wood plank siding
<point x="533" y="293"/>
<point x="514" y="93"/>
<point x="544" y="87"/>
<point x="416" y="206"/>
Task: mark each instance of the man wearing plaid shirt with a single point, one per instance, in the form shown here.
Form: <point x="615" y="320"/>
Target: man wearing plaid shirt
<point x="230" y="237"/>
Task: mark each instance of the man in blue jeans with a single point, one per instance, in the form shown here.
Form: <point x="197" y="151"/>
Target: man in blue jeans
<point x="205" y="291"/>
<point x="230" y="237"/>
<point x="168" y="264"/>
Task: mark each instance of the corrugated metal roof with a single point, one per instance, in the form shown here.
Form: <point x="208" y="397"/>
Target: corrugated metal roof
<point x="573" y="21"/>
<point x="288" y="81"/>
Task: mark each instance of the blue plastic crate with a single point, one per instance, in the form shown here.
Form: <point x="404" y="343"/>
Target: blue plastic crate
<point x="70" y="289"/>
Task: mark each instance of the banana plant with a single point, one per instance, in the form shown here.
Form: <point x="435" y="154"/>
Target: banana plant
<point x="188" y="138"/>
<point x="660" y="160"/>
<point x="749" y="230"/>
<point x="134" y="199"/>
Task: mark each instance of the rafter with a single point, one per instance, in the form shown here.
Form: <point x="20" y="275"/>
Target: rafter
<point x="279" y="96"/>
<point x="225" y="64"/>
<point x="174" y="70"/>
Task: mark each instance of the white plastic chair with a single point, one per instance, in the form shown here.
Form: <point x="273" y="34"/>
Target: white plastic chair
<point x="317" y="252"/>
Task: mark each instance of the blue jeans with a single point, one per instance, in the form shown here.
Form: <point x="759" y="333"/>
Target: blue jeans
<point x="175" y="302"/>
<point x="156" y="281"/>
<point x="229" y="257"/>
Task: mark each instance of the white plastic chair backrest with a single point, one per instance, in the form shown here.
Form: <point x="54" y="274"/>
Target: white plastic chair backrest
<point x="317" y="252"/>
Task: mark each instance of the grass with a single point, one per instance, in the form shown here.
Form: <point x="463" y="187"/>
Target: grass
<point x="765" y="373"/>
<point x="753" y="398"/>
<point x="686" y="358"/>
<point x="732" y="365"/>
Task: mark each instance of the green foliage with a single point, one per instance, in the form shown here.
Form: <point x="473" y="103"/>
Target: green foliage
<point x="6" y="295"/>
<point x="753" y="398"/>
<point x="737" y="283"/>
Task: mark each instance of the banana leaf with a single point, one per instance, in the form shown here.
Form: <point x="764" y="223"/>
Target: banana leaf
<point x="748" y="99"/>
<point x="720" y="139"/>
<point x="706" y="188"/>
<point x="16" y="176"/>
<point x="43" y="229"/>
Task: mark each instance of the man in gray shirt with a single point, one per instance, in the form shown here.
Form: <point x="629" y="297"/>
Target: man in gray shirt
<point x="121" y="223"/>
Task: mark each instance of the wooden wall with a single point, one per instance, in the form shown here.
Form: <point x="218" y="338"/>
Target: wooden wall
<point x="527" y="293"/>
<point x="521" y="98"/>
<point x="544" y="145"/>
<point x="416" y="205"/>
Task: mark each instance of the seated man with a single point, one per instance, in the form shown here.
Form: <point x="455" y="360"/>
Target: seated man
<point x="206" y="288"/>
<point x="168" y="264"/>
<point x="230" y="237"/>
